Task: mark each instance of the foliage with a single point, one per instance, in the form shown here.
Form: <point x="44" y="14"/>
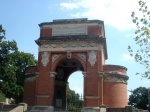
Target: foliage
<point x="2" y="97"/>
<point x="74" y="102"/>
<point x="142" y="38"/>
<point x="12" y="68"/>
<point x="139" y="98"/>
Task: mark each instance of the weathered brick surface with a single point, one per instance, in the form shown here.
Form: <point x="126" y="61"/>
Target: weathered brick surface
<point x="94" y="30"/>
<point x="115" y="68"/>
<point x="46" y="32"/>
<point x="115" y="94"/>
<point x="29" y="92"/>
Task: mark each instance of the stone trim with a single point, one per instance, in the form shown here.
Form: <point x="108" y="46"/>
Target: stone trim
<point x="69" y="54"/>
<point x="31" y="79"/>
<point x="101" y="74"/>
<point x="82" y="56"/>
<point x="65" y="46"/>
<point x="55" y="57"/>
<point x="71" y="38"/>
<point x="115" y="77"/>
<point x="71" y="21"/>
<point x="52" y="74"/>
<point x="116" y="66"/>
<point x="84" y="74"/>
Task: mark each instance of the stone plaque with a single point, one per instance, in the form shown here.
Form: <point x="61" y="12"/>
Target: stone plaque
<point x="73" y="29"/>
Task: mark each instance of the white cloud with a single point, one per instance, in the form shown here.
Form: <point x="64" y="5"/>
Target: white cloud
<point x="128" y="57"/>
<point x="116" y="13"/>
<point x="69" y="6"/>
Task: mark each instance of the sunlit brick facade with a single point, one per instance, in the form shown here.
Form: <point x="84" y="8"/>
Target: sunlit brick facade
<point x="66" y="46"/>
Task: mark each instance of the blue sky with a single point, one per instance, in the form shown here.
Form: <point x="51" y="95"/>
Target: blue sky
<point x="20" y="19"/>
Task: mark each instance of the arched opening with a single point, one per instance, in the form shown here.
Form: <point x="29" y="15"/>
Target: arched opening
<point x="75" y="82"/>
<point x="64" y="70"/>
<point x="75" y="92"/>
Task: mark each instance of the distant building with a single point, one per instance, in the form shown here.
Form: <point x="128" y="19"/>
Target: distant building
<point x="66" y="46"/>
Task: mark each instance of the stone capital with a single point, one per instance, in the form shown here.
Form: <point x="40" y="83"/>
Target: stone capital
<point x="52" y="74"/>
<point x="84" y="74"/>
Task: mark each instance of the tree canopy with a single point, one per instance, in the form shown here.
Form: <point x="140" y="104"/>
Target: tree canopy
<point x="142" y="38"/>
<point x="139" y="98"/>
<point x="12" y="67"/>
<point x="74" y="101"/>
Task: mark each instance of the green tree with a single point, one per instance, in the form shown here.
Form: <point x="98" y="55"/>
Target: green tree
<point x="12" y="67"/>
<point x="2" y="97"/>
<point x="139" y="98"/>
<point x="74" y="101"/>
<point x="142" y="38"/>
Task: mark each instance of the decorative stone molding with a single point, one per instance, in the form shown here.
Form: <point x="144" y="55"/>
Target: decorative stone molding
<point x="101" y="74"/>
<point x="115" y="77"/>
<point x="45" y="58"/>
<point x="55" y="56"/>
<point x="92" y="57"/>
<point x="114" y="72"/>
<point x="70" y="45"/>
<point x="82" y="56"/>
<point x="69" y="54"/>
<point x="52" y="74"/>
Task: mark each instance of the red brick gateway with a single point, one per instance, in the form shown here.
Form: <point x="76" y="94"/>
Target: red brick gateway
<point x="66" y="46"/>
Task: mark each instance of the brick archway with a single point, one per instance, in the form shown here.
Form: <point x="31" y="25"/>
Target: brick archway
<point x="53" y="68"/>
<point x="83" y="42"/>
<point x="63" y="70"/>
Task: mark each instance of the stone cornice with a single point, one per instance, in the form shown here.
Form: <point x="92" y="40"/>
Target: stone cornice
<point x="79" y="40"/>
<point x="72" y="38"/>
<point x="112" y="76"/>
<point x="116" y="78"/>
<point x="71" y="21"/>
<point x="30" y="77"/>
<point x="118" y="66"/>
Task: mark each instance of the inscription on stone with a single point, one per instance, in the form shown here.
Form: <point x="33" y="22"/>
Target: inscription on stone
<point x="60" y="30"/>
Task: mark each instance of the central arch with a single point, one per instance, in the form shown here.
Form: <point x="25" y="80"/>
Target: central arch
<point x="63" y="70"/>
